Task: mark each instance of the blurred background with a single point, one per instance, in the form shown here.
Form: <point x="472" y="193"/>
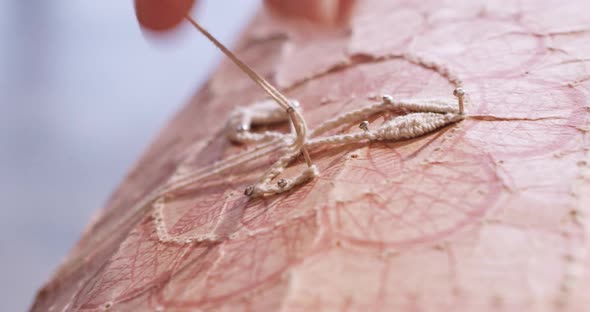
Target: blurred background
<point x="82" y="93"/>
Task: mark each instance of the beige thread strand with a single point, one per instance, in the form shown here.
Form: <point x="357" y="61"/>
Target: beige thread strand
<point x="293" y="114"/>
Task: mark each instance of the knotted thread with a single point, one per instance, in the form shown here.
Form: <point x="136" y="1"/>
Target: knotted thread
<point x="414" y="118"/>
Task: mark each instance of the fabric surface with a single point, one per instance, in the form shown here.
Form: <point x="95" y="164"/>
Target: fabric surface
<point x="488" y="214"/>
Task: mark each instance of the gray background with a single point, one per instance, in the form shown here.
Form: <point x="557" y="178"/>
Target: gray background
<point x="82" y="92"/>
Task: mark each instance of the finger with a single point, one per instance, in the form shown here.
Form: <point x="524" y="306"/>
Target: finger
<point x="322" y="11"/>
<point x="162" y="15"/>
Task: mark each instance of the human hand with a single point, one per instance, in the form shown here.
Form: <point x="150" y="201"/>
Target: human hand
<point x="164" y="15"/>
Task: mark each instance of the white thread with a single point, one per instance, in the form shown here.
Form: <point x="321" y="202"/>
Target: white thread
<point x="221" y="166"/>
<point x="261" y="113"/>
<point x="426" y="116"/>
<point x="162" y="232"/>
<point x="421" y="117"/>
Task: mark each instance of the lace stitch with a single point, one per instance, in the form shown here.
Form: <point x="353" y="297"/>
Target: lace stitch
<point x="421" y="117"/>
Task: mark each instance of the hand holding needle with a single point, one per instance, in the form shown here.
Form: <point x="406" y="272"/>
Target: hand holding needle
<point x="165" y="15"/>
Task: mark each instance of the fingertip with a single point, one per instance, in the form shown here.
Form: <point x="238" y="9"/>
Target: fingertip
<point x="162" y="15"/>
<point x="329" y="12"/>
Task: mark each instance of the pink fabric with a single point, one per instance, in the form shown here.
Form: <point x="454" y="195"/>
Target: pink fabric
<point x="488" y="214"/>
